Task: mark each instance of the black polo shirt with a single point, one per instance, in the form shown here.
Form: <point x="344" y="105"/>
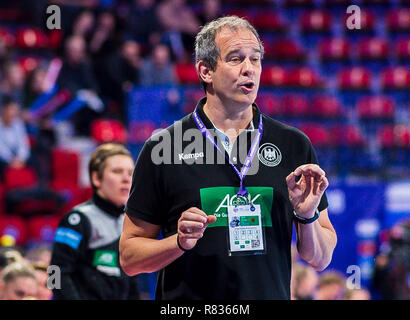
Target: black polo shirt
<point x="171" y="176"/>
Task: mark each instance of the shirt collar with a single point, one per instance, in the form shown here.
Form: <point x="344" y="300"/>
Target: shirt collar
<point x="209" y="125"/>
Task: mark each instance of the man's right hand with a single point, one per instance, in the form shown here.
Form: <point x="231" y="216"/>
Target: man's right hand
<point x="192" y="225"/>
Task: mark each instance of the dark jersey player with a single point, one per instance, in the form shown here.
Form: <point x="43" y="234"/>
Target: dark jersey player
<point x="87" y="238"/>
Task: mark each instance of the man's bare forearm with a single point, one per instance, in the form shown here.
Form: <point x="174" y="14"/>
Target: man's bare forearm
<point x="316" y="244"/>
<point x="143" y="255"/>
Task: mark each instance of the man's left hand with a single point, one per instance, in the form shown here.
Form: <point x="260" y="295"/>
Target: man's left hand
<point x="305" y="194"/>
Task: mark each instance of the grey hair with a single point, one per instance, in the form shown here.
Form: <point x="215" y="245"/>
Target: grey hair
<point x="205" y="45"/>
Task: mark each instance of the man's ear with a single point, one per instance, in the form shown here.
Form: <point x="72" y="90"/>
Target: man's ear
<point x="96" y="181"/>
<point x="204" y="72"/>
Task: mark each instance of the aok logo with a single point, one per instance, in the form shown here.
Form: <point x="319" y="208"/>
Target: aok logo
<point x="234" y="200"/>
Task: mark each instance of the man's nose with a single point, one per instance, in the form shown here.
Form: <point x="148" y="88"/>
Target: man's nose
<point x="247" y="67"/>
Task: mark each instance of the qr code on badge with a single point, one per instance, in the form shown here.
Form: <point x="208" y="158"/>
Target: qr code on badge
<point x="255" y="243"/>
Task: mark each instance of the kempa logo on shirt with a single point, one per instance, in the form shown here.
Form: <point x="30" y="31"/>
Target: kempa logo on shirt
<point x="188" y="156"/>
<point x="269" y="155"/>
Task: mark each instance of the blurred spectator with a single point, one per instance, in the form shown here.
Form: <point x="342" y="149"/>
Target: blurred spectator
<point x="158" y="69"/>
<point x="14" y="142"/>
<point x="76" y="74"/>
<point x="4" y="52"/>
<point x="103" y="41"/>
<point x="77" y="249"/>
<point x="119" y="73"/>
<point x="211" y="10"/>
<point x="304" y="282"/>
<point x="13" y="82"/>
<point x="143" y="22"/>
<point x="331" y="286"/>
<point x="45" y="137"/>
<point x="392" y="268"/>
<point x="34" y="86"/>
<point x="181" y="24"/>
<point x="40" y="271"/>
<point x="18" y="282"/>
<point x="83" y="24"/>
<point x="357" y="294"/>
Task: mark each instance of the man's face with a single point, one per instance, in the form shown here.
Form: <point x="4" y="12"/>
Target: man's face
<point x="20" y="288"/>
<point x="115" y="183"/>
<point x="235" y="81"/>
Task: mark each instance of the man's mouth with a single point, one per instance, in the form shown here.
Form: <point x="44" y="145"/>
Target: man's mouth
<point x="247" y="86"/>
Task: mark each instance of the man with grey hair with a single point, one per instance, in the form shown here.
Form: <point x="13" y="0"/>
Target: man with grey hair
<point x="247" y="214"/>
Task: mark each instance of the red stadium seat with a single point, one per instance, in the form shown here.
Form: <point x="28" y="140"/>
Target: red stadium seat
<point x="376" y="107"/>
<point x="394" y="136"/>
<point x="108" y="130"/>
<point x="296" y="105"/>
<point x="335" y="49"/>
<point x="42" y="228"/>
<point x="7" y="36"/>
<point x="269" y="21"/>
<point x="348" y="135"/>
<point x="316" y="21"/>
<point x="403" y="49"/>
<point x="284" y="49"/>
<point x="402" y="134"/>
<point x="373" y="49"/>
<point x="318" y="134"/>
<point x="395" y="78"/>
<point x="15" y="178"/>
<point x="65" y="167"/>
<point x="29" y="63"/>
<point x="55" y="38"/>
<point x="385" y="136"/>
<point x="269" y="103"/>
<point x="14" y="226"/>
<point x="274" y="76"/>
<point x="326" y="106"/>
<point x="32" y="38"/>
<point x="398" y="20"/>
<point x="354" y="78"/>
<point x="186" y="73"/>
<point x="2" y="203"/>
<point x="304" y="77"/>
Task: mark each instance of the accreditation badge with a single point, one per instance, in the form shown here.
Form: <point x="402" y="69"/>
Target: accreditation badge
<point x="246" y="235"/>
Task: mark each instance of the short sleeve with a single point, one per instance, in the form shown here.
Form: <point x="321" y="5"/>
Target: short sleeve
<point x="146" y="200"/>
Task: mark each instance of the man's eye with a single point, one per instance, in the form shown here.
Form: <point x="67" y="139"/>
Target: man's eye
<point x="235" y="59"/>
